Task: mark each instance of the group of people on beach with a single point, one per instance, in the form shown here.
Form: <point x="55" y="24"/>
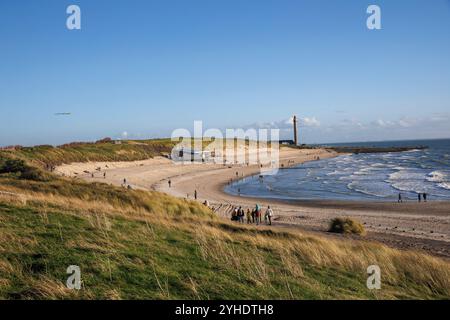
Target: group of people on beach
<point x="253" y="216"/>
<point x="420" y="197"/>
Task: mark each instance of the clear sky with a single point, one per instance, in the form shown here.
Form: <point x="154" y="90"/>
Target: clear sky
<point x="148" y="67"/>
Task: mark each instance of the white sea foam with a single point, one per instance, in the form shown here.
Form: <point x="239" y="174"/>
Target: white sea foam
<point x="378" y="165"/>
<point x="406" y="174"/>
<point x="411" y="186"/>
<point x="444" y="185"/>
<point x="438" y="176"/>
<point x="365" y="188"/>
<point x="336" y="173"/>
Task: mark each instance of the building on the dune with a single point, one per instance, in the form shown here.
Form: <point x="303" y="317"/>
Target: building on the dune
<point x="192" y="155"/>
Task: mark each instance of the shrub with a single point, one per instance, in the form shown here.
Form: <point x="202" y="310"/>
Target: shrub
<point x="24" y="171"/>
<point x="104" y="140"/>
<point x="346" y="226"/>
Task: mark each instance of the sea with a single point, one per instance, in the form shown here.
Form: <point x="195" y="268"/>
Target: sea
<point x="374" y="177"/>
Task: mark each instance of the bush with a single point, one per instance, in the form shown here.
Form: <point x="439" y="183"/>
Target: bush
<point x="12" y="166"/>
<point x="104" y="140"/>
<point x="346" y="226"/>
<point x="24" y="171"/>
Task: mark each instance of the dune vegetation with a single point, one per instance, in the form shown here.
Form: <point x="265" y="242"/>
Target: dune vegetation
<point x="132" y="244"/>
<point x="108" y="150"/>
<point x="347" y="226"/>
<point x="102" y="150"/>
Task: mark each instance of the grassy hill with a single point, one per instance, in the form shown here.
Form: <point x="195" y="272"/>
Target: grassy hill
<point x="133" y="244"/>
<point x="102" y="150"/>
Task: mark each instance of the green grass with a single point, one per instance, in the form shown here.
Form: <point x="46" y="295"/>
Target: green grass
<point x="134" y="261"/>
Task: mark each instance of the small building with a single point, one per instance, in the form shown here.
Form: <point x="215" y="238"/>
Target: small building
<point x="287" y="142"/>
<point x="191" y="155"/>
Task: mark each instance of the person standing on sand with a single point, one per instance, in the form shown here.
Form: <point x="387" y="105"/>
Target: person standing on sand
<point x="195" y="194"/>
<point x="257" y="214"/>
<point x="234" y="214"/>
<point x="104" y="175"/>
<point x="400" y="198"/>
<point x="419" y="197"/>
<point x="170" y="183"/>
<point x="241" y="215"/>
<point x="253" y="215"/>
<point x="124" y="181"/>
<point x="269" y="214"/>
<point x="424" y="197"/>
<point x="249" y="216"/>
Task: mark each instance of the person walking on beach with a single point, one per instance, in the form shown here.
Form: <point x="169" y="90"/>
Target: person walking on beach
<point x="269" y="214"/>
<point x="253" y="215"/>
<point x="170" y="183"/>
<point x="104" y="175"/>
<point x="195" y="194"/>
<point x="419" y="197"/>
<point x="124" y="181"/>
<point x="249" y="216"/>
<point x="234" y="214"/>
<point x="241" y="215"/>
<point x="424" y="197"/>
<point x="400" y="198"/>
<point x="257" y="214"/>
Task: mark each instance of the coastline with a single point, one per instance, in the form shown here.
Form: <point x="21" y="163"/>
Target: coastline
<point x="408" y="225"/>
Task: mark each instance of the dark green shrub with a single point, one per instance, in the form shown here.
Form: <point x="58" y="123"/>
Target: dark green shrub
<point x="22" y="170"/>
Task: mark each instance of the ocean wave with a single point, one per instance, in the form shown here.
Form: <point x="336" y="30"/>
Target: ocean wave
<point x="336" y="173"/>
<point x="410" y="186"/>
<point x="367" y="189"/>
<point x="444" y="185"/>
<point x="378" y="165"/>
<point x="406" y="175"/>
<point x="438" y="176"/>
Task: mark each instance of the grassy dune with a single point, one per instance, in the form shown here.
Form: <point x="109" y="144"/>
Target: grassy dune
<point x="103" y="150"/>
<point x="133" y="244"/>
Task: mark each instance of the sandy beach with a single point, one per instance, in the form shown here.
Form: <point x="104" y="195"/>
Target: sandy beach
<point x="424" y="226"/>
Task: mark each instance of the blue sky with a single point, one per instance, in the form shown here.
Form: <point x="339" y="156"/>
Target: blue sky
<point x="148" y="67"/>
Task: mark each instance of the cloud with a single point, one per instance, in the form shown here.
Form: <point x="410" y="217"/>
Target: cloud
<point x="411" y="122"/>
<point x="286" y="124"/>
<point x="350" y="123"/>
<point x="309" y="122"/>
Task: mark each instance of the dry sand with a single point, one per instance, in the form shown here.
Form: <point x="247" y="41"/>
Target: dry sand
<point x="424" y="226"/>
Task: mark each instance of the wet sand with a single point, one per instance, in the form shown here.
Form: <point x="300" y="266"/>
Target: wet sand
<point x="421" y="226"/>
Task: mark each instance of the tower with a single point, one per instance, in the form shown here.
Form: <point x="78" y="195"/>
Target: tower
<point x="295" y="130"/>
